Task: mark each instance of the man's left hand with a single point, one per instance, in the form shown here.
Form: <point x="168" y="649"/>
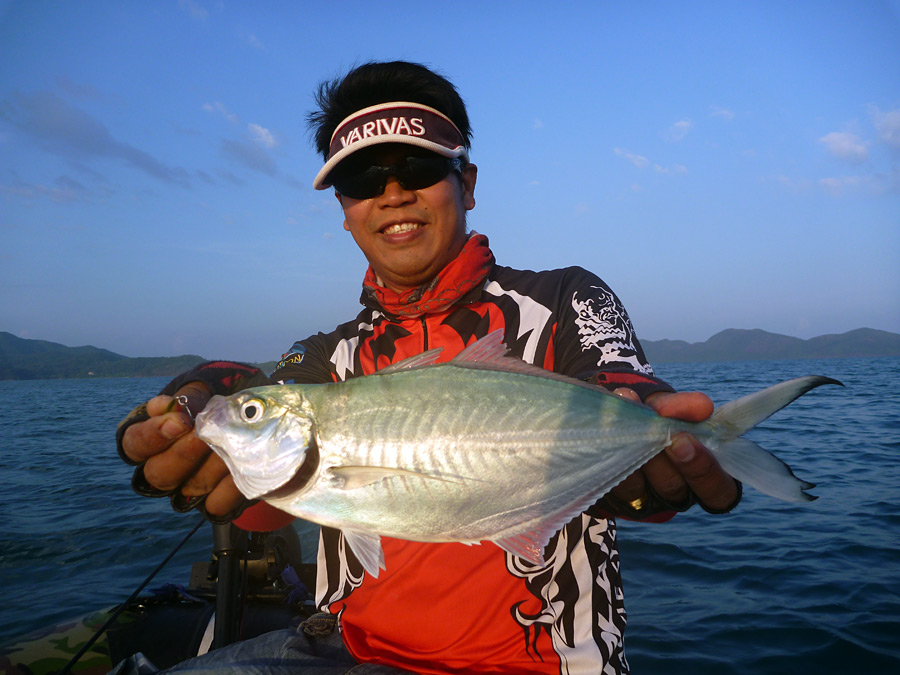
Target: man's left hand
<point x="685" y="469"/>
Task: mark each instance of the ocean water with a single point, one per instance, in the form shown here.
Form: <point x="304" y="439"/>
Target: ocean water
<point x="770" y="588"/>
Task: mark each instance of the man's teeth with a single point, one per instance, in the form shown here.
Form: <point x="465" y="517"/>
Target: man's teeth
<point x="399" y="228"/>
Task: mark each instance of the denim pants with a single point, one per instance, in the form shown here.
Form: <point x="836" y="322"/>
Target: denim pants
<point x="314" y="647"/>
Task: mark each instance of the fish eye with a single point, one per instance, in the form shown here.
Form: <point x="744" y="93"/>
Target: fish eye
<point x="253" y="410"/>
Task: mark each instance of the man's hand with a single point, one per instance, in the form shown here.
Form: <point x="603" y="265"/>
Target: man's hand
<point x="175" y="458"/>
<point x="685" y="466"/>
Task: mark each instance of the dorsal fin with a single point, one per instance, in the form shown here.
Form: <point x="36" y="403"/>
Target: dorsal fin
<point x="424" y="359"/>
<point x="490" y="353"/>
<point x="488" y="349"/>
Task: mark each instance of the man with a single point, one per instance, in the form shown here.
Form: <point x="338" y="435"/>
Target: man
<point x="395" y="137"/>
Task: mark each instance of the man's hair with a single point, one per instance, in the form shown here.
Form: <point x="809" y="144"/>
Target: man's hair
<point x="382" y="82"/>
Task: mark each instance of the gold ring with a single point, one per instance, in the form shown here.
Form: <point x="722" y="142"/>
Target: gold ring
<point x="639" y="503"/>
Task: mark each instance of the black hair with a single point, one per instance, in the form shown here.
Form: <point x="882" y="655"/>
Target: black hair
<point x="381" y="82"/>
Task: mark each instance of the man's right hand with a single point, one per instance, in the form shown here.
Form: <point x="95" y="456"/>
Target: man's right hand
<point x="175" y="458"/>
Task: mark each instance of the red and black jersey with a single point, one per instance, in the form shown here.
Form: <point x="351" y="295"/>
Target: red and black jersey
<point x="452" y="608"/>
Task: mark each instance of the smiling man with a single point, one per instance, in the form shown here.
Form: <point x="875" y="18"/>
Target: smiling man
<point x="395" y="138"/>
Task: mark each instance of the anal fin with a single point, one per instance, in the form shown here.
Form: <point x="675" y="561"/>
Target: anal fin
<point x="367" y="549"/>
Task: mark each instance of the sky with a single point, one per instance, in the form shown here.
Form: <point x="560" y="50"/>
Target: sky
<point x="719" y="164"/>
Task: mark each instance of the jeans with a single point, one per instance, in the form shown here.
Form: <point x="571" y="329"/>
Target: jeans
<point x="315" y="647"/>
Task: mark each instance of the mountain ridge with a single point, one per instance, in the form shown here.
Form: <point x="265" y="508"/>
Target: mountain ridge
<point x="27" y="359"/>
<point x="739" y="344"/>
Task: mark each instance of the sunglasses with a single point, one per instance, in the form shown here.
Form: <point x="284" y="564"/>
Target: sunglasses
<point x="413" y="173"/>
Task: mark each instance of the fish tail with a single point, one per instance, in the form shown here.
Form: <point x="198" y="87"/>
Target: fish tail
<point x="744" y="459"/>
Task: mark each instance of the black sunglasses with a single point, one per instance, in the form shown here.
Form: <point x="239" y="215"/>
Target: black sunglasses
<point x="413" y="173"/>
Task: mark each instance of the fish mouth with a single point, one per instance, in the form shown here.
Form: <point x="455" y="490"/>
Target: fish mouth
<point x="302" y="476"/>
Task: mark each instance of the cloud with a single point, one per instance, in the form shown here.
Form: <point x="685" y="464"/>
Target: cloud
<point x="873" y="185"/>
<point x="193" y="8"/>
<point x="638" y="160"/>
<point x="71" y="132"/>
<point x="678" y="131"/>
<point x="839" y="186"/>
<point x="262" y="136"/>
<point x="642" y="162"/>
<point x="719" y="111"/>
<point x="78" y="91"/>
<point x="250" y="39"/>
<point x="251" y="155"/>
<point x="220" y="108"/>
<point x="846" y="146"/>
<point x="64" y="189"/>
<point x="678" y="168"/>
<point x="887" y="125"/>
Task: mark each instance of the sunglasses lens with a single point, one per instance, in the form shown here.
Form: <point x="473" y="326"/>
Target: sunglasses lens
<point x="364" y="184"/>
<point x="418" y="173"/>
<point x="413" y="173"/>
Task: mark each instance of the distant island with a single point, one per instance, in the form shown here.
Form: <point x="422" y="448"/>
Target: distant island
<point x="22" y="359"/>
<point x="758" y="345"/>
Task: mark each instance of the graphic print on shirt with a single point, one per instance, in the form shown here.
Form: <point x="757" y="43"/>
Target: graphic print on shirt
<point x="565" y="616"/>
<point x="571" y="562"/>
<point x="604" y="325"/>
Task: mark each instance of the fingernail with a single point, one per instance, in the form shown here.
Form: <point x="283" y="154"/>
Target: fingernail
<point x="682" y="449"/>
<point x="172" y="429"/>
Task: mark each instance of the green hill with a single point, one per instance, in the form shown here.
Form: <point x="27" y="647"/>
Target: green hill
<point x="22" y="359"/>
<point x="754" y="345"/>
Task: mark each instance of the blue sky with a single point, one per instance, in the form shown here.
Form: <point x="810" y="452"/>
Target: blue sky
<point x="719" y="164"/>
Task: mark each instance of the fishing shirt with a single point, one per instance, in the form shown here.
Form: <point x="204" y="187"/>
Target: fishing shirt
<point x="450" y="607"/>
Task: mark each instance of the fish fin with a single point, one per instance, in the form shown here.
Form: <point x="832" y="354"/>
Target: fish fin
<point x="747" y="462"/>
<point x="530" y="544"/>
<point x="427" y="358"/>
<point x="490" y="353"/>
<point x="367" y="549"/>
<point x="738" y="416"/>
<point x="744" y="459"/>
<point x="527" y="546"/>
<point x="360" y="476"/>
<point x="484" y="350"/>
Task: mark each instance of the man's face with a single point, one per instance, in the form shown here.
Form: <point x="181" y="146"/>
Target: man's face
<point x="408" y="236"/>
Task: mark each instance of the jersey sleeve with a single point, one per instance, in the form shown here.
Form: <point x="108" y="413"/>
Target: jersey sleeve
<point x="306" y="362"/>
<point x="595" y="339"/>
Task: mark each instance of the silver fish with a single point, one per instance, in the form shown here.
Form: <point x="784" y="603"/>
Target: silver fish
<point x="483" y="448"/>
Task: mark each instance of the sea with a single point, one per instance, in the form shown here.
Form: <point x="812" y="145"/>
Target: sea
<point x="770" y="588"/>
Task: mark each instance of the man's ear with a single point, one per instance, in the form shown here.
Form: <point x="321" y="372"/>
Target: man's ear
<point x="469" y="177"/>
<point x="337" y="196"/>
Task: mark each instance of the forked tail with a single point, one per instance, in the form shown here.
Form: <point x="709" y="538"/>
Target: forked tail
<point x="745" y="460"/>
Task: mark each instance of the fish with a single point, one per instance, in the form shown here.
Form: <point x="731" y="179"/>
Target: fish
<point x="484" y="447"/>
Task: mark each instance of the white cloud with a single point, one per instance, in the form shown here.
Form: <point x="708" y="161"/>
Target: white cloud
<point x="638" y="160"/>
<point x="250" y="39"/>
<point x="838" y="186"/>
<point x="795" y="185"/>
<point x="220" y="109"/>
<point x="262" y="136"/>
<point x="678" y="131"/>
<point x="846" y="145"/>
<point x="678" y="168"/>
<point x="873" y="185"/>
<point x="719" y="111"/>
<point x="193" y="8"/>
<point x="887" y="125"/>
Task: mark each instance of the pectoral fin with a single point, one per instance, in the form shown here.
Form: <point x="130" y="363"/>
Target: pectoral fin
<point x="359" y="476"/>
